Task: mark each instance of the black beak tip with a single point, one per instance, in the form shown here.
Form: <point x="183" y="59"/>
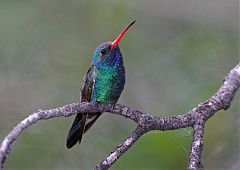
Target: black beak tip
<point x="133" y="22"/>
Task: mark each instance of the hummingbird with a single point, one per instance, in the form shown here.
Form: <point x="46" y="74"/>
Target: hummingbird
<point x="103" y="83"/>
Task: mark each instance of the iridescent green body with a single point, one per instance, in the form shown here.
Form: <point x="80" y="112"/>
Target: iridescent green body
<point x="109" y="84"/>
<point x="103" y="83"/>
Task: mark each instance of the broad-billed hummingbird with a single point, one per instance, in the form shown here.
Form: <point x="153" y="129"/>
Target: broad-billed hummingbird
<point x="103" y="83"/>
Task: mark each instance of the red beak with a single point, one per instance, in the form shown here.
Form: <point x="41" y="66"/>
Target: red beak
<point x="118" y="39"/>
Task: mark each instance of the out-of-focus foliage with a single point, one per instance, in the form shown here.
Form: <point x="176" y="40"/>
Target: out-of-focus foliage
<point x="176" y="56"/>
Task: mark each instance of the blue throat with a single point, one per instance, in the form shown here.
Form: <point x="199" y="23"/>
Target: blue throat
<point x="111" y="59"/>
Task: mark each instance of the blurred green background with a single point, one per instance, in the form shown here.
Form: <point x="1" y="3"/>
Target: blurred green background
<point x="176" y="56"/>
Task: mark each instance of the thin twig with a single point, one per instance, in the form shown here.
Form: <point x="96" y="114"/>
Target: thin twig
<point x="121" y="149"/>
<point x="196" y="146"/>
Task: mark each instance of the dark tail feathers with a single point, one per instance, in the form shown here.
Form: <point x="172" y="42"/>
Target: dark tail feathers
<point x="81" y="124"/>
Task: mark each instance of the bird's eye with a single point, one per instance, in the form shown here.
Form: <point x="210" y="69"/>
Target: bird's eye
<point x="103" y="52"/>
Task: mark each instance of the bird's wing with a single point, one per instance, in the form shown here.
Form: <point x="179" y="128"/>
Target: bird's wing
<point x="86" y="96"/>
<point x="87" y="85"/>
<point x="78" y="127"/>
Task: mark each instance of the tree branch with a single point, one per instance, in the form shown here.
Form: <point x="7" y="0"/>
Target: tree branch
<point x="194" y="118"/>
<point x="197" y="146"/>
